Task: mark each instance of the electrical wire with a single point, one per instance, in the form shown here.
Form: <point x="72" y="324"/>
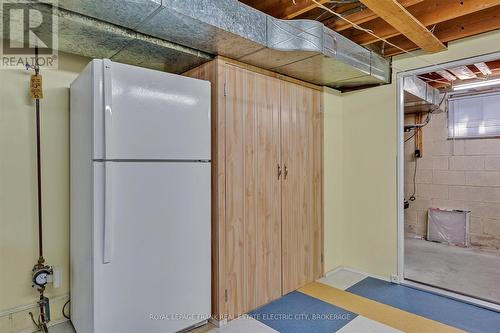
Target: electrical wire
<point x="429" y="114"/>
<point x="410" y="137"/>
<point x="370" y="32"/>
<point x="425" y="123"/>
<point x="356" y="26"/>
<point x="63" y="308"/>
<point x="412" y="196"/>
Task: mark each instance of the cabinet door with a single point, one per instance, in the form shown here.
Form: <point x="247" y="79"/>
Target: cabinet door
<point x="253" y="192"/>
<point x="301" y="139"/>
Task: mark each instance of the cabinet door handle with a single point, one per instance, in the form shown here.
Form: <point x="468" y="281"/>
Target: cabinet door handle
<point x="279" y="171"/>
<point x="286" y="171"/>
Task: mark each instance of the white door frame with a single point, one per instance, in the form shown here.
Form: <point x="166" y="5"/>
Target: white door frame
<point x="400" y="175"/>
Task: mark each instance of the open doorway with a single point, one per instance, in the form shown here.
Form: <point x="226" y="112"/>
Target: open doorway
<point x="449" y="177"/>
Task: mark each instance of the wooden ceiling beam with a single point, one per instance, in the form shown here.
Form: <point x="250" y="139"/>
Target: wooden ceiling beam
<point x="446" y="75"/>
<point x="483" y="68"/>
<point x="397" y="16"/>
<point x="258" y="4"/>
<point x="463" y="72"/>
<point x="429" y="12"/>
<point x="346" y="9"/>
<point x="360" y="17"/>
<point x="284" y="9"/>
<point x="435" y="79"/>
<point x="296" y="10"/>
<point x="465" y="26"/>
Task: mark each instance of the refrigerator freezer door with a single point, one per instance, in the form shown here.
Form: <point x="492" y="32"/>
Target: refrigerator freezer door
<point x="151" y="115"/>
<point x="156" y="276"/>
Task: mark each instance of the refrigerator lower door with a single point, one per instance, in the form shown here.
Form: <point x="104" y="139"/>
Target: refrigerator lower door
<point x="151" y="246"/>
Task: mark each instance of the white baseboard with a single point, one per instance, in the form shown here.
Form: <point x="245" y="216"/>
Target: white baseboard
<point x="9" y="313"/>
<point x="333" y="271"/>
<point x="25" y="307"/>
<point x="52" y="323"/>
<point x="353" y="270"/>
<point x="218" y="323"/>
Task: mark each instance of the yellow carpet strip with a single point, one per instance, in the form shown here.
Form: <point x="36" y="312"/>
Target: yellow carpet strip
<point x="385" y="314"/>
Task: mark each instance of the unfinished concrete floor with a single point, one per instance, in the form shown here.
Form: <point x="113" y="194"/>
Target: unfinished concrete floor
<point x="465" y="270"/>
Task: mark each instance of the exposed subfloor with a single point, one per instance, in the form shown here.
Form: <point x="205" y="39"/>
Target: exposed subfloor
<point x="465" y="270"/>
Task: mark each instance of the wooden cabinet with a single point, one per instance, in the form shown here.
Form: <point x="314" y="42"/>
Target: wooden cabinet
<point x="253" y="207"/>
<point x="266" y="185"/>
<point x="301" y="146"/>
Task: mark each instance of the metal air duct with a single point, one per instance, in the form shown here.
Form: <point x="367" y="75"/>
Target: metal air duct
<point x="169" y="30"/>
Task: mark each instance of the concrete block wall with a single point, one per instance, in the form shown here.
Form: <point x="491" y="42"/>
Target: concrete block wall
<point x="454" y="174"/>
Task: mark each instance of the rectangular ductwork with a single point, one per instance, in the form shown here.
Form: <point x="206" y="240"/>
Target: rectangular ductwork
<point x="303" y="49"/>
<point x="419" y="96"/>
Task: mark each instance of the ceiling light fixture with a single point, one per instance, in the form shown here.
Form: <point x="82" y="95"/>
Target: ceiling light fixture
<point x="479" y="84"/>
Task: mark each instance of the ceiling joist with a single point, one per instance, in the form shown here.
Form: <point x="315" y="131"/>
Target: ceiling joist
<point x="284" y="9"/>
<point x="437" y="80"/>
<point x="483" y="68"/>
<point x="397" y="16"/>
<point x="360" y="17"/>
<point x="301" y="9"/>
<point x="446" y="75"/>
<point x="465" y="26"/>
<point x="463" y="72"/>
<point x="429" y="13"/>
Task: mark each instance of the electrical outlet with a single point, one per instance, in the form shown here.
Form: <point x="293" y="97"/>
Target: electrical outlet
<point x="57" y="277"/>
<point x="394" y="278"/>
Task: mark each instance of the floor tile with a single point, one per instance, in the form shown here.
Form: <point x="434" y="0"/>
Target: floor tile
<point x="301" y="313"/>
<point x="342" y="279"/>
<point x="438" y="308"/>
<point x="361" y="324"/>
<point x="244" y="325"/>
<point x="65" y="327"/>
<point x="402" y="320"/>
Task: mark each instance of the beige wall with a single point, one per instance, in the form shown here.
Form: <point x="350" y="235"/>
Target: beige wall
<point x="368" y="163"/>
<point x="333" y="178"/>
<point x="360" y="140"/>
<point x="454" y="174"/>
<point x="18" y="218"/>
<point x="360" y="176"/>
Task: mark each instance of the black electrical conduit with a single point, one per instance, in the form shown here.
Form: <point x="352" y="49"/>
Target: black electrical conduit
<point x="414" y="127"/>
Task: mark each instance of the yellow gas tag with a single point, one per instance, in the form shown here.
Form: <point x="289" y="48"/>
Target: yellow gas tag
<point x="36" y="87"/>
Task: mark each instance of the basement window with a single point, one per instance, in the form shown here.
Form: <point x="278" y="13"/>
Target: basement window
<point x="476" y="116"/>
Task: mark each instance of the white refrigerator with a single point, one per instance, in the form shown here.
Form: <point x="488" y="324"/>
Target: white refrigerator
<point x="140" y="200"/>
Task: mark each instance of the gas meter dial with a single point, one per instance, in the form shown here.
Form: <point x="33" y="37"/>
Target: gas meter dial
<point x="41" y="277"/>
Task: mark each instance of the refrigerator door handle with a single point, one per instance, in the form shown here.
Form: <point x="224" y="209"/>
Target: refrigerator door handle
<point x="108" y="111"/>
<point x="108" y="217"/>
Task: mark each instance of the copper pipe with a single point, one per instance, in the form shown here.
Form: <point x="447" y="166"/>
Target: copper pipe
<point x="41" y="260"/>
<point x="42" y="320"/>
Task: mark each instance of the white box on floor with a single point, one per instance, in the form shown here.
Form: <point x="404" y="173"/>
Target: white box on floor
<point x="449" y="226"/>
